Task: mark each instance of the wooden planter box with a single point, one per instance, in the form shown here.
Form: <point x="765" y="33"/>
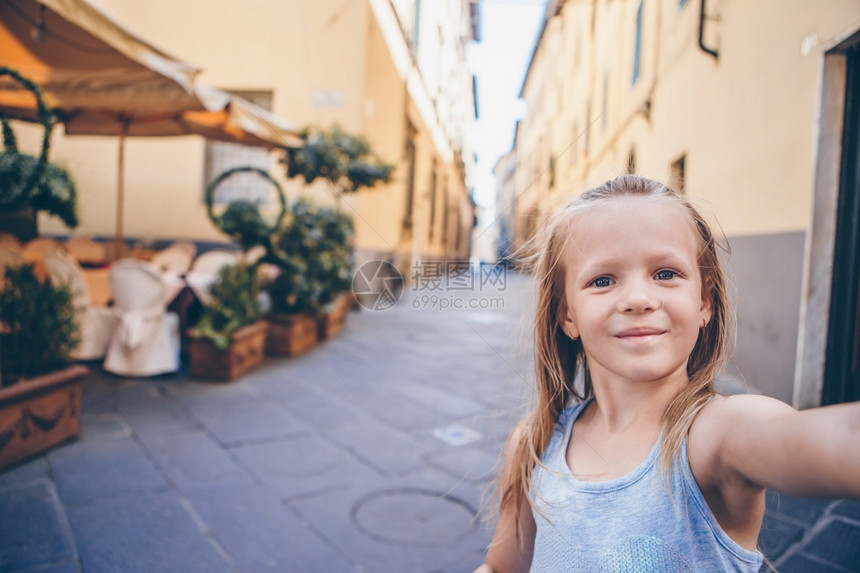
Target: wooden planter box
<point x="291" y="334"/>
<point x="332" y="322"/>
<point x="246" y="351"/>
<point x="39" y="413"/>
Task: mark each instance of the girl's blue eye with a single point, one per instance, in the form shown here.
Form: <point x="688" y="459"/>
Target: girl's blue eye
<point x="665" y="275"/>
<point x="601" y="282"/>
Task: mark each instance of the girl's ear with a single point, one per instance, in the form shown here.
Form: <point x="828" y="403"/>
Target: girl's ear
<point x="566" y="320"/>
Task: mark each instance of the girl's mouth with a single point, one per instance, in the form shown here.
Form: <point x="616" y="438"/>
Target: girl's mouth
<point x="640" y="334"/>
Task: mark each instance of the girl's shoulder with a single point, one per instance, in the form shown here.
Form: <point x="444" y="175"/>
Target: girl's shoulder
<point x="722" y="422"/>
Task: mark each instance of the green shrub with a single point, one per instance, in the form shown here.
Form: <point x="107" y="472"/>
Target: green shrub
<point x="39" y="331"/>
<point x="314" y="254"/>
<point x="235" y="303"/>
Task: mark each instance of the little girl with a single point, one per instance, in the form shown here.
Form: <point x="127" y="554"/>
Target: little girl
<point x="630" y="461"/>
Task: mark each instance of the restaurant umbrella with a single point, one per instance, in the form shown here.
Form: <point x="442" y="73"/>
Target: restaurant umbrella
<point x="103" y="80"/>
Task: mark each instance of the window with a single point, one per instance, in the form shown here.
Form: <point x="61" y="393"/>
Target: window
<point x="679" y="174"/>
<point x="637" y="46"/>
<point x="221" y="156"/>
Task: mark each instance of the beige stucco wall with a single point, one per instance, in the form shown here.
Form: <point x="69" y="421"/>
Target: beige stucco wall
<point x="297" y="50"/>
<point x="746" y="122"/>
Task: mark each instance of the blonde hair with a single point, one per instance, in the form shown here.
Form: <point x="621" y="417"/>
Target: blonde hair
<point x="559" y="360"/>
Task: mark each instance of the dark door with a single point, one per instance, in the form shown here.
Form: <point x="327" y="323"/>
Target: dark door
<point x="842" y="366"/>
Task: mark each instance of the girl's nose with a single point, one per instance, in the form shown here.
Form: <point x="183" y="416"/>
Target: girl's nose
<point x="637" y="297"/>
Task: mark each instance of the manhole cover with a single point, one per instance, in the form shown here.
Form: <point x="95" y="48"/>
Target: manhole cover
<point x="457" y="435"/>
<point x="414" y="517"/>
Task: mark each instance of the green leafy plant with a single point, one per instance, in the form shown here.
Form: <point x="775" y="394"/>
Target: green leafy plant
<point x="235" y="304"/>
<point x="32" y="182"/>
<point x="314" y="254"/>
<point x="39" y="331"/>
<point x="344" y="160"/>
<point x="242" y="220"/>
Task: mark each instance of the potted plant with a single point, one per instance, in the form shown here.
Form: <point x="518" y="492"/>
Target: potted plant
<point x="229" y="337"/>
<point x="346" y="161"/>
<point x="315" y="261"/>
<point x="32" y="183"/>
<point x="348" y="164"/>
<point x="40" y="397"/>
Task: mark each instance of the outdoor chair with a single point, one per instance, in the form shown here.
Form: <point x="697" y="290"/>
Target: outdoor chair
<point x="95" y="324"/>
<point x="205" y="270"/>
<point x="253" y="254"/>
<point x="10" y="241"/>
<point x="86" y="250"/>
<point x="146" y="340"/>
<point x="41" y="245"/>
<point x="35" y="250"/>
<point x="212" y="261"/>
<point x="175" y="259"/>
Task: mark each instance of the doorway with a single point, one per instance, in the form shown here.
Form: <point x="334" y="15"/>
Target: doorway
<point x="842" y="360"/>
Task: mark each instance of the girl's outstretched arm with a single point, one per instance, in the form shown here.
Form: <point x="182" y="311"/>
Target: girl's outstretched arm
<point x="507" y="553"/>
<point x="765" y="442"/>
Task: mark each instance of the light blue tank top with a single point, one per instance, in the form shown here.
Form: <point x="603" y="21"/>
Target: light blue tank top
<point x="629" y="524"/>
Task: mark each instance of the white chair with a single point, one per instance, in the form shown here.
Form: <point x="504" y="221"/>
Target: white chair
<point x="204" y="272"/>
<point x="10" y="241"/>
<point x="39" y="246"/>
<point x="86" y="250"/>
<point x="146" y="340"/>
<point x="253" y="254"/>
<point x="175" y="259"/>
<point x="95" y="324"/>
<point x="212" y="261"/>
<point x="34" y="253"/>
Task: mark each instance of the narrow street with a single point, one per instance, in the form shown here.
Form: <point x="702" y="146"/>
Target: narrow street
<point x="369" y="453"/>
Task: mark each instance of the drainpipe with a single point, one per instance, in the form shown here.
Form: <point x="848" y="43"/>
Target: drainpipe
<point x="702" y="45"/>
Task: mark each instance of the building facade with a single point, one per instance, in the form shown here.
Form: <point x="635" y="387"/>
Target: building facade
<point x="393" y="72"/>
<point x="739" y="105"/>
<point x="506" y="203"/>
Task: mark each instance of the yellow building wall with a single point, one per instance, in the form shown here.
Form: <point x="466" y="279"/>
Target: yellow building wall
<point x="303" y="52"/>
<point x="746" y="123"/>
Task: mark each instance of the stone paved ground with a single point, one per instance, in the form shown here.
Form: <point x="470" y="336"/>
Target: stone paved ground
<point x="370" y="453"/>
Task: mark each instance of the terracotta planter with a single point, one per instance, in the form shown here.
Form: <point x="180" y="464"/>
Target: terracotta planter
<point x="332" y="322"/>
<point x="39" y="413"/>
<point x="291" y="334"/>
<point x="246" y="352"/>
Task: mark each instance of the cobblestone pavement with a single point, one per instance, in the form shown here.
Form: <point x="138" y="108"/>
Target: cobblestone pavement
<point x="369" y="453"/>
